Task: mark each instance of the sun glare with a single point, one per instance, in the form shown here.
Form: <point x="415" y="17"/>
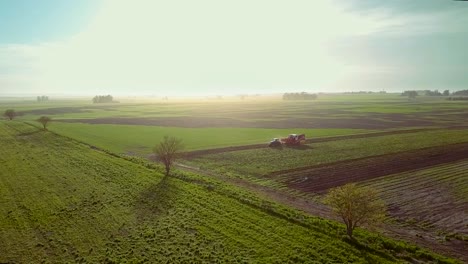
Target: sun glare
<point x="179" y="47"/>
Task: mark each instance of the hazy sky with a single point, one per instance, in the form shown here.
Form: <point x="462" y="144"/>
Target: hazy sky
<point x="231" y="47"/>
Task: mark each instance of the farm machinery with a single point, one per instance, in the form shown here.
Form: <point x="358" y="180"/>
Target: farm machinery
<point x="291" y="140"/>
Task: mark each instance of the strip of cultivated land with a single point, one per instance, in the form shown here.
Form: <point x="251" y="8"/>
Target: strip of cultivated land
<point x="426" y="188"/>
<point x="322" y="138"/>
<point x="321" y="178"/>
<point x="434" y="199"/>
<point x="62" y="201"/>
<point x="267" y="161"/>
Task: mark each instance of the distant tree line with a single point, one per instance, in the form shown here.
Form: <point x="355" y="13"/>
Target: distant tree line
<point x="365" y="92"/>
<point x="43" y="98"/>
<point x="103" y="99"/>
<point x="299" y="96"/>
<point x="459" y="98"/>
<point x="410" y="94"/>
<point x="461" y="93"/>
<point x="413" y="93"/>
<point x="436" y="93"/>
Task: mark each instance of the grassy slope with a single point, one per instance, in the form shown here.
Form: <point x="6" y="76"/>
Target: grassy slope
<point x="263" y="161"/>
<point x="63" y="201"/>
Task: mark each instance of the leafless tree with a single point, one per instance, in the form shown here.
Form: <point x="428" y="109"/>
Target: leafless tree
<point x="167" y="151"/>
<point x="10" y="114"/>
<point x="44" y="120"/>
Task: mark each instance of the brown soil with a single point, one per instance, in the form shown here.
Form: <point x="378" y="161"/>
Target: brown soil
<point x="322" y="177"/>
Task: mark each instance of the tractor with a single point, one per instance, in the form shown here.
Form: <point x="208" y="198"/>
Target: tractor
<point x="291" y="140"/>
<point x="275" y="143"/>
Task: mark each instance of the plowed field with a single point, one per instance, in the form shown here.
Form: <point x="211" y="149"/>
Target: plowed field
<point x="321" y="178"/>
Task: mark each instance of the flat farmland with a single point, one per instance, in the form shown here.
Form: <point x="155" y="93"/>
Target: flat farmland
<point x="414" y="150"/>
<point x="266" y="161"/>
<point x="209" y="124"/>
<point x="113" y="136"/>
<point x="433" y="199"/>
<point x="63" y="201"/>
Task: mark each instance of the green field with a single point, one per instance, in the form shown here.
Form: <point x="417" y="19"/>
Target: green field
<point x="135" y="126"/>
<point x="140" y="140"/>
<point x="63" y="201"/>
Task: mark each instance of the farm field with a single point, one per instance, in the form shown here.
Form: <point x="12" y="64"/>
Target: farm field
<point x="64" y="201"/>
<point x="111" y="136"/>
<point x="234" y="132"/>
<point x="233" y="122"/>
<point x="264" y="161"/>
<point x="433" y="199"/>
<point x="402" y="148"/>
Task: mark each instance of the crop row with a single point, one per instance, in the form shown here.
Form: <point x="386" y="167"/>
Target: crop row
<point x="436" y="197"/>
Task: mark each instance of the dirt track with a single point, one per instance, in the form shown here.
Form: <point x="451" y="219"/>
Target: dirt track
<point x="320" y="178"/>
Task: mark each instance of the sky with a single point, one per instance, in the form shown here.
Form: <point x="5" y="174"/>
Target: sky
<point x="218" y="47"/>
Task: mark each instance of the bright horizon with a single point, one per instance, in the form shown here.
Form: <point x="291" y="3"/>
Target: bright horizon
<point x="198" y="48"/>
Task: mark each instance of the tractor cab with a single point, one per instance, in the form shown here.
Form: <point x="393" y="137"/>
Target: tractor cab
<point x="275" y="143"/>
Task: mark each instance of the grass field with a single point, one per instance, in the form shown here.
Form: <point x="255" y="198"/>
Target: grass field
<point x="63" y="201"/>
<point x="143" y="138"/>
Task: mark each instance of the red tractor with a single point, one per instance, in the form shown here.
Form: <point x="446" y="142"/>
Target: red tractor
<point x="291" y="140"/>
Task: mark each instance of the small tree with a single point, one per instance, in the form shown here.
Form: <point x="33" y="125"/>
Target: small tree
<point x="168" y="151"/>
<point x="44" y="120"/>
<point x="446" y="93"/>
<point x="356" y="206"/>
<point x="10" y="114"/>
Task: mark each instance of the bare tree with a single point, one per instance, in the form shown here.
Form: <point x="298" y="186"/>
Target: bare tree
<point x="44" y="120"/>
<point x="356" y="206"/>
<point x="167" y="151"/>
<point x="10" y="114"/>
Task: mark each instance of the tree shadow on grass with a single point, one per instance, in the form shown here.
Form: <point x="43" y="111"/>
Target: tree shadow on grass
<point x="24" y="134"/>
<point x="365" y="248"/>
<point x="156" y="200"/>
